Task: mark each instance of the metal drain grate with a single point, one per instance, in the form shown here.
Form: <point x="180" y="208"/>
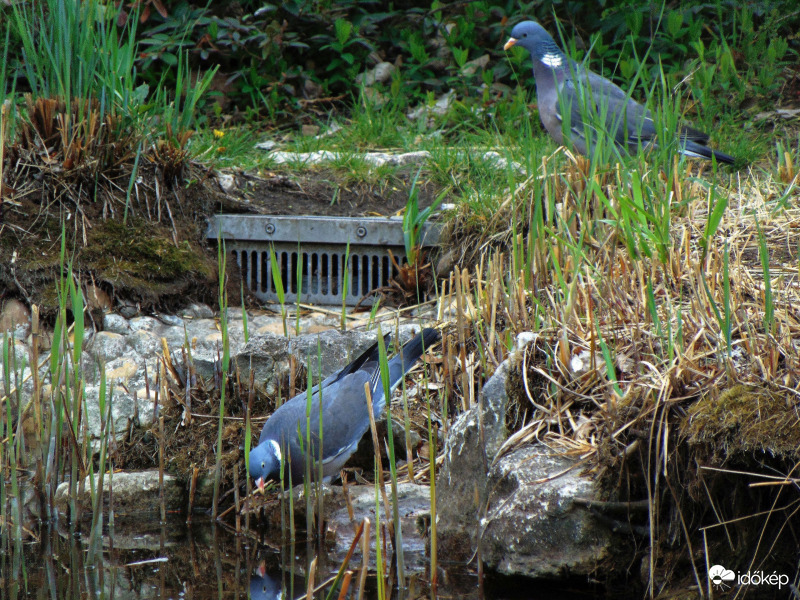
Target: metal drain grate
<point x="311" y="254"/>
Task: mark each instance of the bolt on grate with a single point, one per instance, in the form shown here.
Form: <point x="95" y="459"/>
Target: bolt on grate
<point x="311" y="254"/>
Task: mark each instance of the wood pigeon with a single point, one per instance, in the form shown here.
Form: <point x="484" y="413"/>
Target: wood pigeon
<point x="345" y="418"/>
<point x="563" y="87"/>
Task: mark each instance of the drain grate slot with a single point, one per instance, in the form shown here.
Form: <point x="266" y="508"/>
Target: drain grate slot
<point x="311" y="255"/>
<point x="319" y="278"/>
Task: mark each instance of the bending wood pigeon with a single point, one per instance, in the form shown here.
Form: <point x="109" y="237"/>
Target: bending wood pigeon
<point x="345" y="418"/>
<point x="563" y="87"/>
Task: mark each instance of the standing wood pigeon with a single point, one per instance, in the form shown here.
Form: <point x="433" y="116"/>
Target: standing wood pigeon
<point x="563" y="87"/>
<point x="345" y="418"/>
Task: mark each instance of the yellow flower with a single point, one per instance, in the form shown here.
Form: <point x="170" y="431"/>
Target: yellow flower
<point x="218" y="133"/>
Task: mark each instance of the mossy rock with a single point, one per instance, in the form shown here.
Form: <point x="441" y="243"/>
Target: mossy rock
<point x="744" y="420"/>
<point x="141" y="258"/>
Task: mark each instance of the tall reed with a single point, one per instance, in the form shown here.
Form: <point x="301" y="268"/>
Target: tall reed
<point x="223" y="323"/>
<point x="387" y="394"/>
<point x="277" y="281"/>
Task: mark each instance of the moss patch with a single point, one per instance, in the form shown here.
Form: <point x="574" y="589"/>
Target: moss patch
<point x="141" y="258"/>
<point x="744" y="420"/>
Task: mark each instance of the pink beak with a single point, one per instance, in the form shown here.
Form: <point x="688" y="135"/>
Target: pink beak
<point x="260" y="483"/>
<point x="509" y="43"/>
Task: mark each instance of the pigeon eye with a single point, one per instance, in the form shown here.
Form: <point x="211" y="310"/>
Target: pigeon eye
<point x="263" y="465"/>
<point x="524" y="35"/>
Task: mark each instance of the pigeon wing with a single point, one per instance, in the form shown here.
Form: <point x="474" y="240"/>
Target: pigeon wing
<point x="612" y="111"/>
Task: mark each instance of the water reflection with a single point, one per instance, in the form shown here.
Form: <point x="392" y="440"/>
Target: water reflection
<point x="203" y="563"/>
<point x="265" y="586"/>
<point x="174" y="561"/>
<point x="275" y="584"/>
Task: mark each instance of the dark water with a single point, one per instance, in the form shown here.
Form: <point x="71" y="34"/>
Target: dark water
<point x="176" y="561"/>
<point x="211" y="562"/>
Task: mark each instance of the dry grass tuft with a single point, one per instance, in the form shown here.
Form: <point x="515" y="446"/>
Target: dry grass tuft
<point x="93" y="174"/>
<point x="660" y="345"/>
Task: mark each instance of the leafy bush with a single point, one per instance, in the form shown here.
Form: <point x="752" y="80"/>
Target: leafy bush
<point x="277" y="58"/>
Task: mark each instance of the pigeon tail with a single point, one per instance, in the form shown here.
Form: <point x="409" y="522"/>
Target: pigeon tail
<point x="696" y="150"/>
<point x="410" y="354"/>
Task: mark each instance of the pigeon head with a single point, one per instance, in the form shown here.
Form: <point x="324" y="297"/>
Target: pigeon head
<point x="535" y="39"/>
<point x="265" y="463"/>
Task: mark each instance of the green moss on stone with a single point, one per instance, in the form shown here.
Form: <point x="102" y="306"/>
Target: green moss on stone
<point x="746" y="419"/>
<point x="141" y="256"/>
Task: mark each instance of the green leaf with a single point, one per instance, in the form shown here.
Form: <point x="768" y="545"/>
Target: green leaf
<point x="716" y="208"/>
<point x="674" y="22"/>
<point x="170" y="59"/>
<point x="343" y="30"/>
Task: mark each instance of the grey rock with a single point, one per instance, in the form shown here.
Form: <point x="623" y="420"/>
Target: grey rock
<point x="462" y="480"/>
<point x="226" y="181"/>
<point x="126" y="410"/>
<point x="204" y="490"/>
<point x="116" y="323"/>
<point x="200" y="329"/>
<point x="493" y="401"/>
<point x="128" y="310"/>
<point x="381" y="73"/>
<point x="171" y="320"/>
<point x="105" y="346"/>
<point x="414" y="508"/>
<point x="234" y="313"/>
<point x="136" y="494"/>
<point x="19" y="373"/>
<point x="440" y="107"/>
<point x="501" y="162"/>
<point x="311" y="89"/>
<point x="144" y="324"/>
<point x="197" y="311"/>
<point x="332" y="129"/>
<point x="268" y="355"/>
<point x="144" y="343"/>
<point x="205" y="339"/>
<point x="326" y="352"/>
<point x="266" y="145"/>
<point x="373" y="158"/>
<point x="532" y="526"/>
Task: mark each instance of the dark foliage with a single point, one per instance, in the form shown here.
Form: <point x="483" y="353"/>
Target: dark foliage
<point x="280" y="57"/>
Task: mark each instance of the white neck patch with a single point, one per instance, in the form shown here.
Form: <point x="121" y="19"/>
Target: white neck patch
<point x="276" y="450"/>
<point x="552" y="60"/>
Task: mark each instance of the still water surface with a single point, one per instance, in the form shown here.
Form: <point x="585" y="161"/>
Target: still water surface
<point x="204" y="562"/>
